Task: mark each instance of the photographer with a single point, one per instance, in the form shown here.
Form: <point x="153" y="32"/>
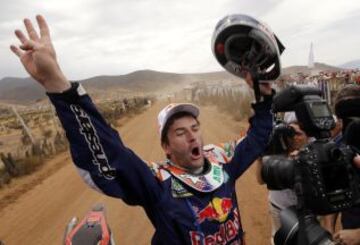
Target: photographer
<point x="347" y="109"/>
<point x="322" y="174"/>
<point x="287" y="139"/>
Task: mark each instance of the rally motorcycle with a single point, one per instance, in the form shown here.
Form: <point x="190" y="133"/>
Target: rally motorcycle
<point x="91" y="230"/>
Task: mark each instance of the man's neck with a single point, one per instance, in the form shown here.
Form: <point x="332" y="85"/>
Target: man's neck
<point x="196" y="171"/>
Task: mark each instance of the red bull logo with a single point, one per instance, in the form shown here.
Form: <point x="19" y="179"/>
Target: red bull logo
<point x="218" y="209"/>
<point x="229" y="232"/>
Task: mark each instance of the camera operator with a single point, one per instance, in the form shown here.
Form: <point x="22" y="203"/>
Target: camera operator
<point x="288" y="139"/>
<point x="347" y="109"/>
<point x="322" y="173"/>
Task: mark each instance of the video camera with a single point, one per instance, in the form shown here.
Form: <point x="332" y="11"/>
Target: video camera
<point x="322" y="174"/>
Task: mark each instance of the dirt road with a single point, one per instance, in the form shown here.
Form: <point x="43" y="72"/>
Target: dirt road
<point x="39" y="215"/>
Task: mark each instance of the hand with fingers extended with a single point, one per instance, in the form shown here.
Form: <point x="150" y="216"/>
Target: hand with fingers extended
<point x="38" y="56"/>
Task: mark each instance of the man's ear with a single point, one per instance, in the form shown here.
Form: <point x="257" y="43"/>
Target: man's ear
<point x="166" y="148"/>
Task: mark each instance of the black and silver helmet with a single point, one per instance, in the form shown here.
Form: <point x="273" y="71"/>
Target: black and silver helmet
<point x="241" y="43"/>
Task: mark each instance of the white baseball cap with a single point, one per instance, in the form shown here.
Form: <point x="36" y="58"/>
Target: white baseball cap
<point x="173" y="108"/>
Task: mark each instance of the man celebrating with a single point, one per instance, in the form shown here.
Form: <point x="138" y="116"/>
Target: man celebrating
<point x="189" y="198"/>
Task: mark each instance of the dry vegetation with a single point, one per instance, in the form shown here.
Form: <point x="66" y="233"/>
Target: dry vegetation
<point x="22" y="153"/>
<point x="233" y="100"/>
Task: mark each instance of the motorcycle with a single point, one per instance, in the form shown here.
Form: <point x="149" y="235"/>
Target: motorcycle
<point x="91" y="230"/>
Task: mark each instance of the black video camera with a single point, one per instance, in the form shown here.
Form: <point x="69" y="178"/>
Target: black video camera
<point x="322" y="174"/>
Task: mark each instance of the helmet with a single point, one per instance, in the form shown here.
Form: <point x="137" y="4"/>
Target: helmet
<point x="241" y="43"/>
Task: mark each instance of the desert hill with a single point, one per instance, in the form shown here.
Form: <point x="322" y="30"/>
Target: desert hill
<point x="318" y="67"/>
<point x="354" y="64"/>
<point x="26" y="90"/>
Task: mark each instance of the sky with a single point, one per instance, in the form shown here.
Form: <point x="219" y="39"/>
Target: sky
<point x="114" y="37"/>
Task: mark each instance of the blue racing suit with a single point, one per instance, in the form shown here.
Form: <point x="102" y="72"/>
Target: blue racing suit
<point x="179" y="213"/>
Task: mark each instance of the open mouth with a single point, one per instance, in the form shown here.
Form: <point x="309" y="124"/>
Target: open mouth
<point x="195" y="152"/>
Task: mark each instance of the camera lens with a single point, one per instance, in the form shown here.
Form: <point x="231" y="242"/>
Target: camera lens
<point x="298" y="228"/>
<point x="287" y="234"/>
<point x="278" y="172"/>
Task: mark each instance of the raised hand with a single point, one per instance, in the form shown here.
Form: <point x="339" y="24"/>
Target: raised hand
<point x="265" y="88"/>
<point x="38" y="56"/>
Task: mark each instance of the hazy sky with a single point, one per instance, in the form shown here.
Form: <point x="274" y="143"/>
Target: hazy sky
<point x="113" y="37"/>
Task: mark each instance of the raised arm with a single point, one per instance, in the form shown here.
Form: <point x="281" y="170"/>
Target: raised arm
<point x="253" y="145"/>
<point x="103" y="161"/>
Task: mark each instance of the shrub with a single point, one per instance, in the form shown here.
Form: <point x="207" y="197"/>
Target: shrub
<point x="230" y="100"/>
<point x="29" y="164"/>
